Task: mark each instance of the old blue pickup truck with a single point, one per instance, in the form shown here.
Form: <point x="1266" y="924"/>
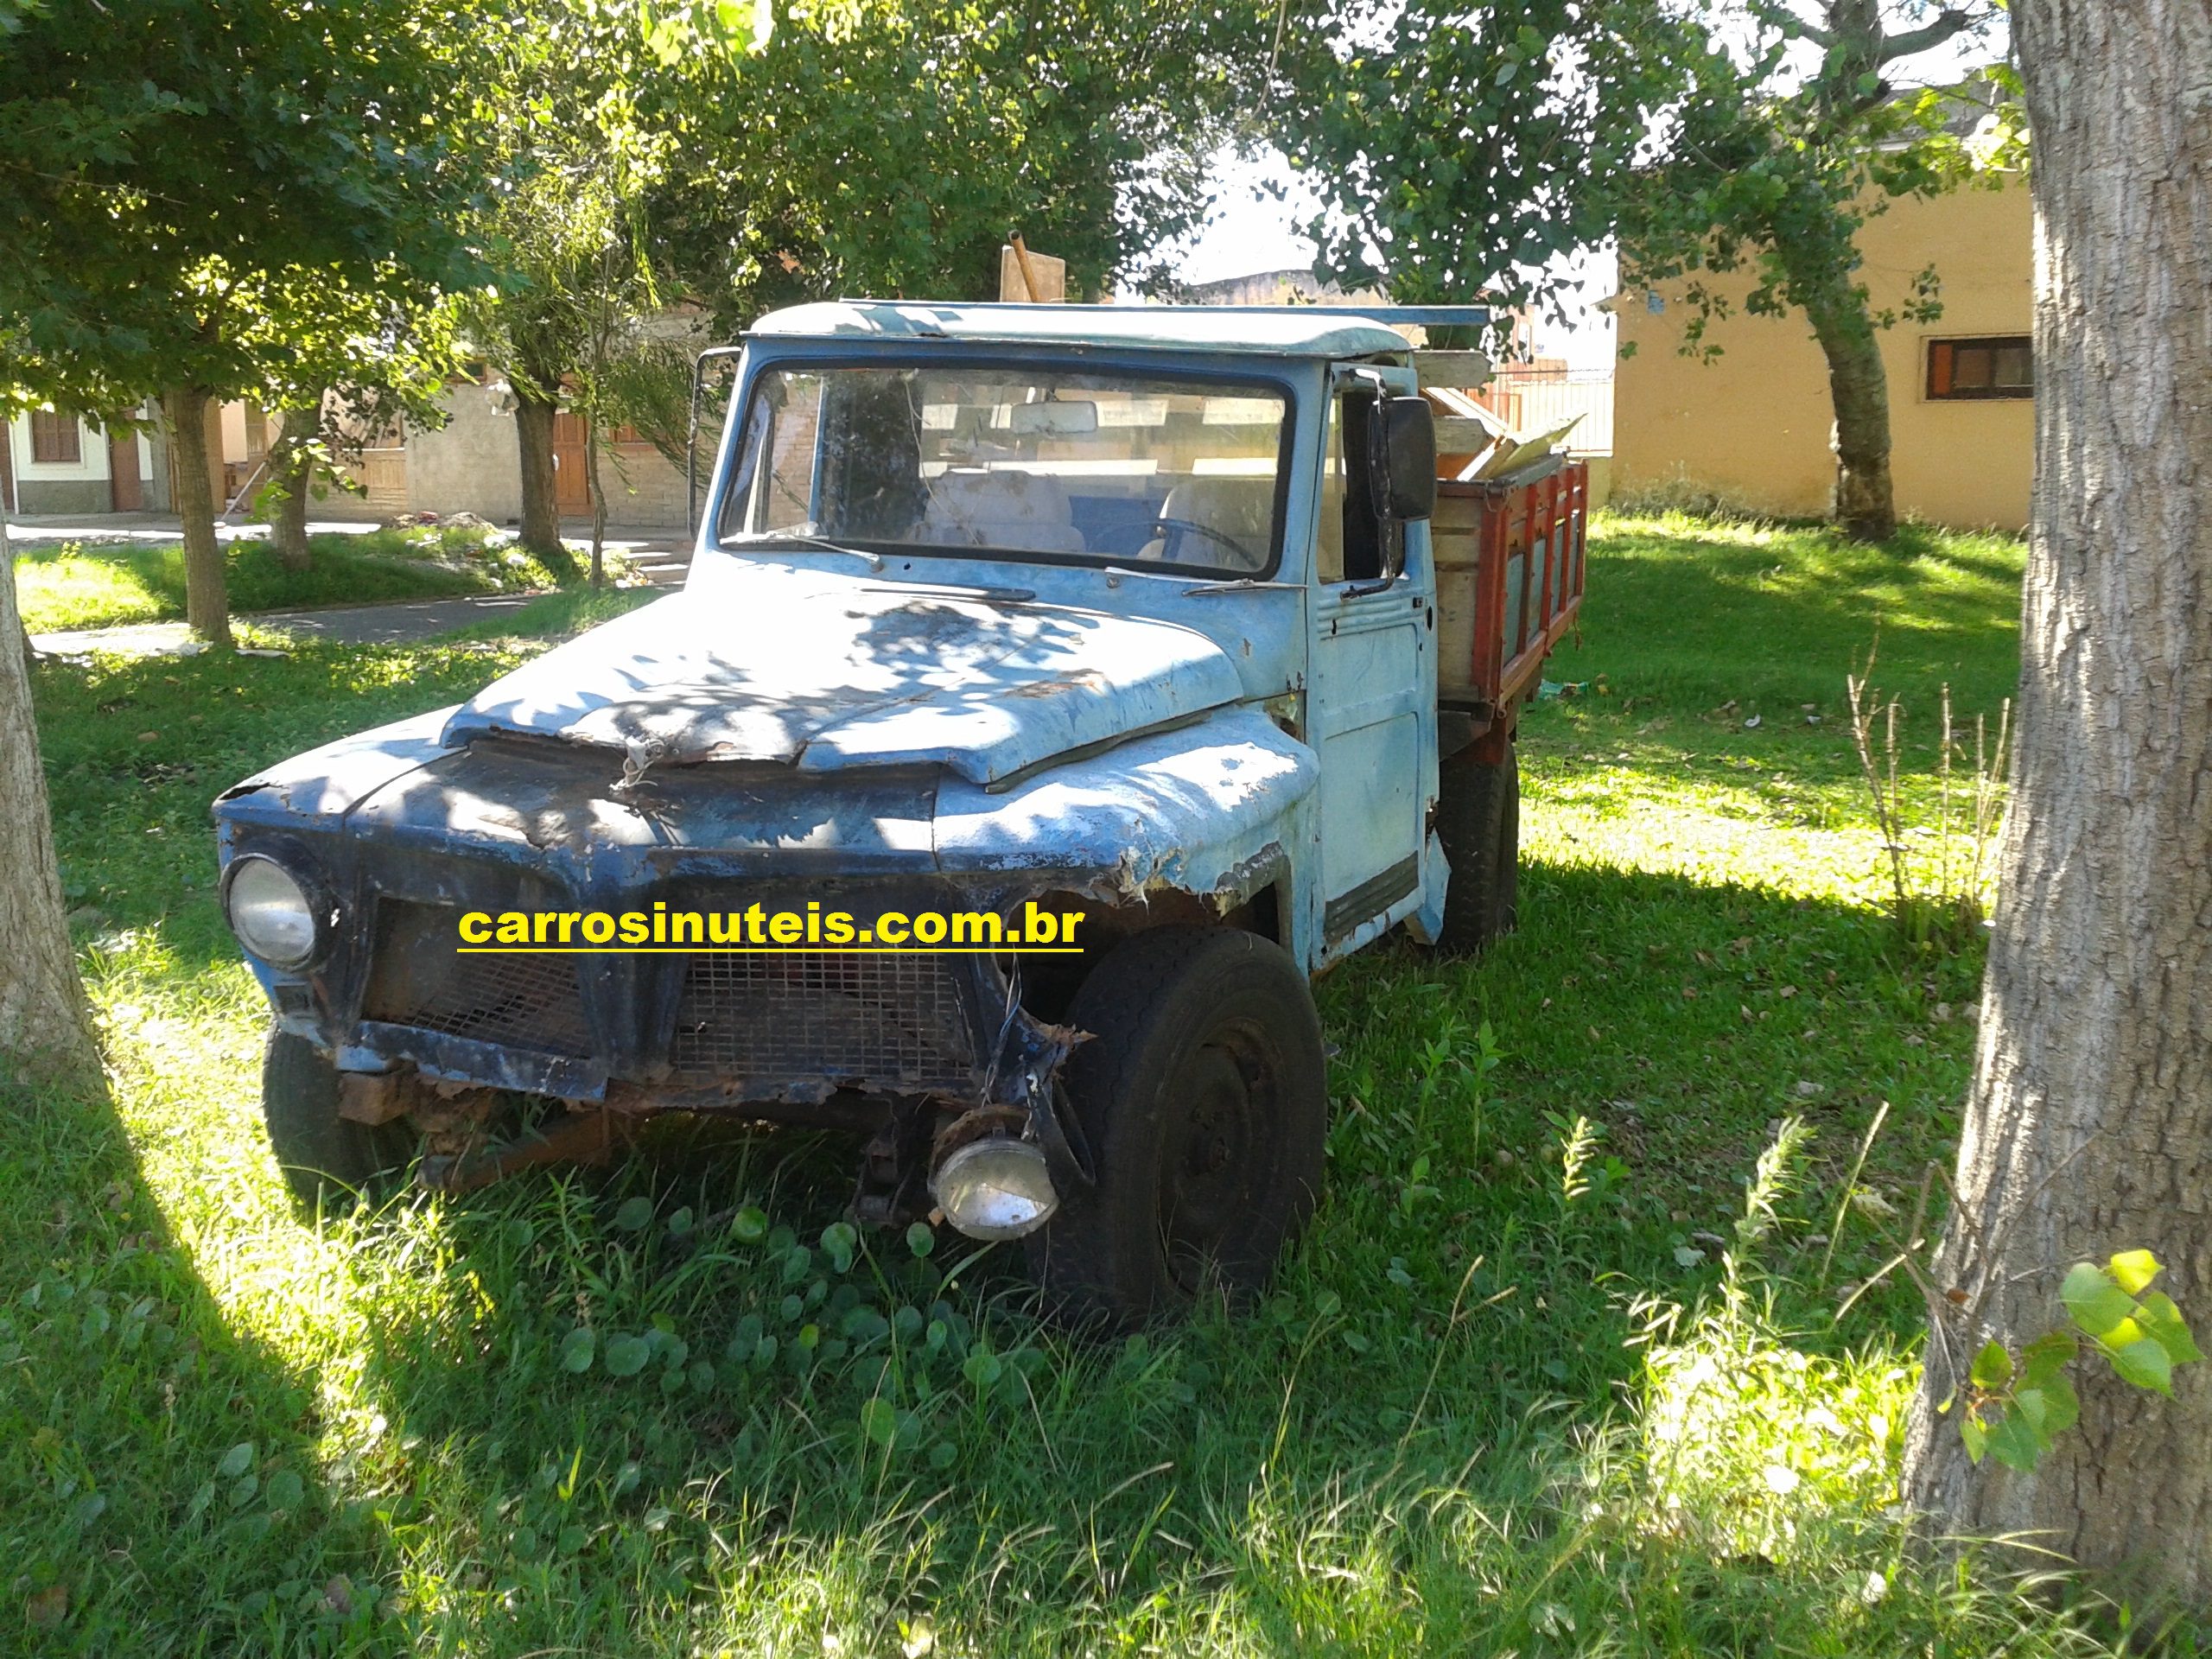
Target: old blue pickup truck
<point x="1156" y="620"/>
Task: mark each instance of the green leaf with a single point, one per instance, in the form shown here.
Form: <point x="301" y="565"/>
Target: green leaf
<point x="2051" y="1409"/>
<point x="284" y="1491"/>
<point x="2163" y="1323"/>
<point x="864" y="1324"/>
<point x="880" y="1422"/>
<point x="634" y="1214"/>
<point x="626" y="1355"/>
<point x="1993" y="1366"/>
<point x="1976" y="1438"/>
<point x="236" y="1461"/>
<point x="2043" y="1359"/>
<point x="921" y="1238"/>
<point x="2133" y="1270"/>
<point x="2146" y="1365"/>
<point x="982" y="1370"/>
<point x="2014" y="1442"/>
<point x="2095" y="1303"/>
<point x="577" y="1349"/>
<point x="749" y="1226"/>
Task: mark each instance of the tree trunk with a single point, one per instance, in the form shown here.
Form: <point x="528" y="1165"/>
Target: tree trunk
<point x="45" y="1028"/>
<point x="1859" y="387"/>
<point x="291" y="475"/>
<point x="598" y="504"/>
<point x="206" y="594"/>
<point x="2096" y="1030"/>
<point x="541" y="513"/>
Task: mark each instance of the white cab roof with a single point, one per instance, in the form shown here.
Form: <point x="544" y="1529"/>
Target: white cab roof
<point x="1186" y="328"/>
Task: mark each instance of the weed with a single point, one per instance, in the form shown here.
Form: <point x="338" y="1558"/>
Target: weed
<point x="1939" y="897"/>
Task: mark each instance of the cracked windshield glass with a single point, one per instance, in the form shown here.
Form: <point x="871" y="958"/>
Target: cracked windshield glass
<point x="1101" y="469"/>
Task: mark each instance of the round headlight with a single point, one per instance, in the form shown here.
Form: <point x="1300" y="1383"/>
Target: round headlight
<point x="270" y="912"/>
<point x="996" y="1188"/>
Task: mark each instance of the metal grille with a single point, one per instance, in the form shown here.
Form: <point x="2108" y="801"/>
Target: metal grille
<point x="888" y="1020"/>
<point x="521" y="1001"/>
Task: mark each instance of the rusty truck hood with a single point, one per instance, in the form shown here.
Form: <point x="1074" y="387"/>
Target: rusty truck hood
<point x="762" y="661"/>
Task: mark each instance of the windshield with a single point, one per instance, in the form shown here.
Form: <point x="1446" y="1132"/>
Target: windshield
<point x="1096" y="468"/>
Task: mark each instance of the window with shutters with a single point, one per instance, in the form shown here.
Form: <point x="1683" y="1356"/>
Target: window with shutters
<point x="54" y="439"/>
<point x="1996" y="366"/>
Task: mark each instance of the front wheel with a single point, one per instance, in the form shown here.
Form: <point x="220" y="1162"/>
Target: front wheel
<point x="1203" y="1096"/>
<point x="319" y="1151"/>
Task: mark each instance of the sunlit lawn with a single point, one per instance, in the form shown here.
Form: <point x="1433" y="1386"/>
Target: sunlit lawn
<point x="111" y="584"/>
<point x="1491" y="1406"/>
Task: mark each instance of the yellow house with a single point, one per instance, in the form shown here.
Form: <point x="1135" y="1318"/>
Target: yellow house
<point x="1751" y="427"/>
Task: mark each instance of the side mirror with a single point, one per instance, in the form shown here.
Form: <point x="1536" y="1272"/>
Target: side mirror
<point x="1404" y="462"/>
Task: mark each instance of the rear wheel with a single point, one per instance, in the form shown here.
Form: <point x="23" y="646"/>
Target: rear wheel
<point x="1202" y="1097"/>
<point x="319" y="1152"/>
<point x="1478" y="820"/>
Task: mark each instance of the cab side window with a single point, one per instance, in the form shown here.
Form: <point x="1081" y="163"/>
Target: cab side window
<point x="1355" y="545"/>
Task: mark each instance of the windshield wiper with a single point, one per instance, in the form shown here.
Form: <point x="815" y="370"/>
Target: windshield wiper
<point x="874" y="561"/>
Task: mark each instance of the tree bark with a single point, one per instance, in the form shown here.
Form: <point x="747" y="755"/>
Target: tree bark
<point x="598" y="503"/>
<point x="1859" y="389"/>
<point x="2096" y="1030"/>
<point x="45" y="1029"/>
<point x="291" y="475"/>
<point x="541" y="513"/>
<point x="207" y="593"/>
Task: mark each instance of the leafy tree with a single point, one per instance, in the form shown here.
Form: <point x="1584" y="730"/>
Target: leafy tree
<point x="1464" y="150"/>
<point x="203" y="195"/>
<point x="1461" y="150"/>
<point x="393" y="370"/>
<point x="875" y="147"/>
<point x="2089" y="1127"/>
<point x="1792" y="135"/>
<point x="566" y="220"/>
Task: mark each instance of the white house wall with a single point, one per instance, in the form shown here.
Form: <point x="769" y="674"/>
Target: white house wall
<point x="49" y="486"/>
<point x="469" y="465"/>
<point x="474" y="464"/>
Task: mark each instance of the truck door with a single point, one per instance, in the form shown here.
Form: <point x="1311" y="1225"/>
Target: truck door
<point x="1370" y="704"/>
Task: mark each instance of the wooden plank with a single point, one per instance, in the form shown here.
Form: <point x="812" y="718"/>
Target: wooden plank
<point x="1457" y="435"/>
<point x="1051" y="274"/>
<point x="1461" y="371"/>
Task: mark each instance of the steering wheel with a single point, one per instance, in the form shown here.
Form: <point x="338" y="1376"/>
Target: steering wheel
<point x="1191" y="526"/>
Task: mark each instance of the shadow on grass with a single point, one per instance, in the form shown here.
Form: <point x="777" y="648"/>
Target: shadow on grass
<point x="758" y="1441"/>
<point x="164" y="1490"/>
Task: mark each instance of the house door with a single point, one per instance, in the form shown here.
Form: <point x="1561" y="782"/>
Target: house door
<point x="124" y="493"/>
<point x="1368" y="695"/>
<point x="571" y="480"/>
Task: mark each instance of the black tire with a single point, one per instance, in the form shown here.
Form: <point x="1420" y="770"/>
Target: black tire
<point x="1478" y="820"/>
<point x="1203" y="1098"/>
<point x="320" y="1153"/>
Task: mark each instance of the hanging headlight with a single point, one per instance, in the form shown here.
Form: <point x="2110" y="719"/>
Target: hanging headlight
<point x="271" y="911"/>
<point x="997" y="1187"/>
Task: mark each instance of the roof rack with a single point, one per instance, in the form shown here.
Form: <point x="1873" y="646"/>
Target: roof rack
<point x="1430" y="316"/>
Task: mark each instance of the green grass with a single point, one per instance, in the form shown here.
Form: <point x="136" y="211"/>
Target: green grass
<point x="1488" y="1408"/>
<point x="75" y="586"/>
